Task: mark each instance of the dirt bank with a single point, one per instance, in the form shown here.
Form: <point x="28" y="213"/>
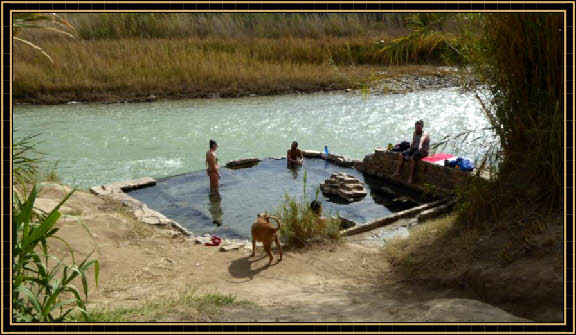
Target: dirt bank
<point x="350" y="282"/>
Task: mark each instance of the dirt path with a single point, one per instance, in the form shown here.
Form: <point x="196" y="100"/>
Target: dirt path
<point x="350" y="282"/>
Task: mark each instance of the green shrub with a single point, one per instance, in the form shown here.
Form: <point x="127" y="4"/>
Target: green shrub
<point x="40" y="292"/>
<point x="301" y="226"/>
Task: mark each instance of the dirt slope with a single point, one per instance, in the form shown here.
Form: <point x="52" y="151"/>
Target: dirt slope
<point x="350" y="282"/>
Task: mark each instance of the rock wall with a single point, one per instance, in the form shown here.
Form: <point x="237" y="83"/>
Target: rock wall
<point x="382" y="163"/>
<point x="142" y="212"/>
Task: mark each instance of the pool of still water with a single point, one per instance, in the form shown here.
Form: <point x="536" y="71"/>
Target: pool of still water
<point x="246" y="192"/>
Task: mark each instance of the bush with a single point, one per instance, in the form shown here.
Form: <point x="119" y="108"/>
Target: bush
<point x="301" y="226"/>
<point x="40" y="292"/>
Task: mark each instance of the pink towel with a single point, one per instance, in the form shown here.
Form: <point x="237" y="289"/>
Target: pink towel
<point x="439" y="157"/>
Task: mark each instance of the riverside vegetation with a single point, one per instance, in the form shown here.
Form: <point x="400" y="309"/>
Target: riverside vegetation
<point x="132" y="56"/>
<point x="512" y="224"/>
<point x="41" y="292"/>
<point x="507" y="230"/>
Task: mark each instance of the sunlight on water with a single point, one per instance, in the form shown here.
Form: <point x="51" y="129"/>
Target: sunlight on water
<point x="96" y="143"/>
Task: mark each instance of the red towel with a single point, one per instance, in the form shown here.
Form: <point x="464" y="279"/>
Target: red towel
<point x="439" y="157"/>
<point x="215" y="241"/>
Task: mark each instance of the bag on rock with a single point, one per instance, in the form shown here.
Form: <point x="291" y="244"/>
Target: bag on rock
<point x="401" y="146"/>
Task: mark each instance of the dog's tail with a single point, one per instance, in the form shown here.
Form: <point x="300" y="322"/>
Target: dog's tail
<point x="277" y="221"/>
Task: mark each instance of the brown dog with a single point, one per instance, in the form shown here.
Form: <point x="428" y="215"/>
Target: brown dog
<point x="263" y="231"/>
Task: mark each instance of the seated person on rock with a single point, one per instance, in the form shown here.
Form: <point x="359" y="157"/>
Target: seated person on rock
<point x="294" y="155"/>
<point x="418" y="150"/>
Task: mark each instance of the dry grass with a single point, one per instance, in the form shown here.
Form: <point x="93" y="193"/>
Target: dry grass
<point x="419" y="254"/>
<point x="235" y="25"/>
<point x="85" y="70"/>
<point x="444" y="246"/>
<point x="188" y="301"/>
<point x="129" y="56"/>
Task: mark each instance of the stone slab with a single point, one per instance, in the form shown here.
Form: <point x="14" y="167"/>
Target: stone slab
<point x="229" y="247"/>
<point x="390" y="218"/>
<point x="239" y="163"/>
<point x="311" y="153"/>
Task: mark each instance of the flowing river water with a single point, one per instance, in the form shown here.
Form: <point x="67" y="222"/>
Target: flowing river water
<point x="103" y="143"/>
<point x="98" y="144"/>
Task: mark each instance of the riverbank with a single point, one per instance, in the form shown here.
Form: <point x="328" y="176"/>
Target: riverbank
<point x="393" y="80"/>
<point x="335" y="283"/>
<point x="135" y="70"/>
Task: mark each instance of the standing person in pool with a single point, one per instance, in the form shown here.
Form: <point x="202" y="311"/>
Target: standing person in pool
<point x="294" y="155"/>
<point x="213" y="166"/>
<point x="418" y="150"/>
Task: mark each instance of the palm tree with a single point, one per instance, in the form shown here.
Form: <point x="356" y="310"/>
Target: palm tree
<point x="428" y="36"/>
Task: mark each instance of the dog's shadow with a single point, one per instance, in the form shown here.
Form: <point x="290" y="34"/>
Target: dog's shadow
<point x="242" y="267"/>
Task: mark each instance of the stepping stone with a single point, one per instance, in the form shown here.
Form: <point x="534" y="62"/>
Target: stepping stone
<point x="344" y="185"/>
<point x="229" y="247"/>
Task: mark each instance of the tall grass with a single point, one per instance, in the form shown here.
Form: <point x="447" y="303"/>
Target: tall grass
<point x="429" y="40"/>
<point x="41" y="292"/>
<point x="517" y="58"/>
<point x="130" y="55"/>
<point x="302" y="227"/>
<point x="190" y="67"/>
<point x="519" y="61"/>
<point x="234" y="25"/>
<point x="25" y="159"/>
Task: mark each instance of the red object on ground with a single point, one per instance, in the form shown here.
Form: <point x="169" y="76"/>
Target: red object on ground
<point x="215" y="241"/>
<point x="439" y="157"/>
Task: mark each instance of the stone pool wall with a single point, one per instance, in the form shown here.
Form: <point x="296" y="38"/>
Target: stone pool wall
<point x="143" y="213"/>
<point x="382" y="163"/>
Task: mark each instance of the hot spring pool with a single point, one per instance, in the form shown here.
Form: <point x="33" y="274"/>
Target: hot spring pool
<point x="246" y="192"/>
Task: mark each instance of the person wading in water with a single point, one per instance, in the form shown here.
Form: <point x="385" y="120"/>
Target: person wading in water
<point x="294" y="155"/>
<point x="213" y="166"/>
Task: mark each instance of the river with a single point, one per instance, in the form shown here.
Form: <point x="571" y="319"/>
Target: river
<point x="104" y="143"/>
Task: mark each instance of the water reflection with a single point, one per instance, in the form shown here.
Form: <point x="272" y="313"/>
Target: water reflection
<point x="215" y="208"/>
<point x="294" y="170"/>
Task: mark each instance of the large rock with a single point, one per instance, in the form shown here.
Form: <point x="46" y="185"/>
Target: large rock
<point x="382" y="163"/>
<point x="345" y="186"/>
<point x="242" y="163"/>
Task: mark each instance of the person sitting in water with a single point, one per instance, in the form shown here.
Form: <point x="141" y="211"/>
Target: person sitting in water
<point x="213" y="166"/>
<point x="316" y="207"/>
<point x="418" y="150"/>
<point x="294" y="155"/>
